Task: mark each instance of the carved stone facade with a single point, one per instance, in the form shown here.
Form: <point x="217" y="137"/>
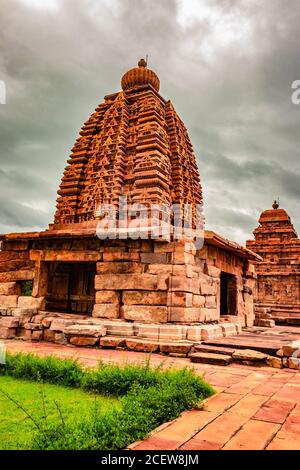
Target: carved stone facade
<point x="278" y="275"/>
<point x="134" y="145"/>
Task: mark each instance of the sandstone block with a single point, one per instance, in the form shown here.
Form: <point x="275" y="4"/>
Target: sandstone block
<point x="209" y="314"/>
<point x="10" y="288"/>
<point x="7" y="333"/>
<point x="294" y="363"/>
<point x="249" y="355"/>
<point x="175" y="348"/>
<point x="144" y="298"/>
<point x="4" y="312"/>
<point x="121" y="256"/>
<point x="112" y="342"/>
<point x="23" y="312"/>
<point x="275" y="362"/>
<point x="266" y="323"/>
<point x="9" y="322"/>
<point x="142" y="345"/>
<point x="107" y="297"/>
<point x="180" y="299"/>
<point x="60" y="324"/>
<point x="207" y="289"/>
<point x="172" y="333"/>
<point x="84" y="340"/>
<point x="24" y="334"/>
<point x="291" y="348"/>
<point x="37" y="336"/>
<point x="228" y="329"/>
<point x="8" y="301"/>
<point x="119" y="267"/>
<point x="32" y="326"/>
<point x="49" y="335"/>
<point x="147" y="314"/>
<point x="154" y="258"/>
<point x="60" y="338"/>
<point x="85" y="330"/>
<point x="198" y="300"/>
<point x="184" y="284"/>
<point x="106" y="311"/>
<point x="31" y="302"/>
<point x="213" y="271"/>
<point x="165" y="269"/>
<point x="184" y="314"/>
<point x="119" y="329"/>
<point x="125" y="282"/>
<point x="210" y="301"/>
<point x="46" y="322"/>
<point x="148" y="331"/>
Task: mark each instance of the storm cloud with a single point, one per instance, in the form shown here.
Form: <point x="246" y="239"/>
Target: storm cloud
<point x="227" y="65"/>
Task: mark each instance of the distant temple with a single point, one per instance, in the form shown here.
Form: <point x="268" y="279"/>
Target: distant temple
<point x="278" y="281"/>
<point x="86" y="287"/>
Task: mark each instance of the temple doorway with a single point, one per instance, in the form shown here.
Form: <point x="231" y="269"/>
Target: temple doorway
<point x="228" y="299"/>
<point x="71" y="288"/>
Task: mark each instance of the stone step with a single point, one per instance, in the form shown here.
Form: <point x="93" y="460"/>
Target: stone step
<point x="204" y="348"/>
<point x="253" y="342"/>
<point x="210" y="358"/>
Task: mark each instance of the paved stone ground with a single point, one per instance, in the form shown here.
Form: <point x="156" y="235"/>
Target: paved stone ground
<point x="255" y="408"/>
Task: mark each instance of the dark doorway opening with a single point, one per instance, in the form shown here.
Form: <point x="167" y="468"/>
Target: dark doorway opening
<point x="71" y="288"/>
<point x="228" y="300"/>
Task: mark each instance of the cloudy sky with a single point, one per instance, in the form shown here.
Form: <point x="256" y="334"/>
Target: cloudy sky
<point x="227" y="65"/>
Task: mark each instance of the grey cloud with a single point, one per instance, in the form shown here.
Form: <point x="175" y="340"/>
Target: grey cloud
<point x="234" y="94"/>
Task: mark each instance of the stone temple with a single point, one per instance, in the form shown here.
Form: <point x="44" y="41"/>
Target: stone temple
<point x="278" y="275"/>
<point x="68" y="284"/>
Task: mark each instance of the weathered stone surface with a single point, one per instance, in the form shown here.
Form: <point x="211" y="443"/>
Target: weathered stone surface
<point x="37" y="335"/>
<point x="207" y="289"/>
<point x="198" y="300"/>
<point x="107" y="297"/>
<point x="180" y="299"/>
<point x="172" y="332"/>
<point x="9" y="322"/>
<point x="23" y="312"/>
<point x="4" y="311"/>
<point x="85" y="330"/>
<point x="7" y="333"/>
<point x="249" y="355"/>
<point x="49" y="335"/>
<point x="275" y="362"/>
<point x="211" y="358"/>
<point x="148" y="331"/>
<point x="8" y="301"/>
<point x="46" y="322"/>
<point x="24" y="334"/>
<point x="154" y="258"/>
<point x="26" y="275"/>
<point x="119" y="267"/>
<point x="210" y="301"/>
<point x="204" y="332"/>
<point x="142" y="345"/>
<point x="147" y="314"/>
<point x="32" y="326"/>
<point x="266" y="323"/>
<point x="84" y="340"/>
<point x="228" y="329"/>
<point x="106" y="311"/>
<point x="184" y="314"/>
<point x="112" y="342"/>
<point x="126" y="282"/>
<point x="60" y="324"/>
<point x="291" y="348"/>
<point x="175" y="347"/>
<point x="144" y="298"/>
<point x="10" y="288"/>
<point x="120" y="328"/>
<point x="31" y="302"/>
<point x="60" y="338"/>
<point x="294" y="363"/>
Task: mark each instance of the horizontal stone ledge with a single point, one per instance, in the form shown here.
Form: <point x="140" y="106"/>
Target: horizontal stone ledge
<point x="65" y="255"/>
<point x="17" y="276"/>
<point x="85" y="330"/>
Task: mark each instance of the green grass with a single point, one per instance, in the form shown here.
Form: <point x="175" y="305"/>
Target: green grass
<point x="143" y="398"/>
<point x="16" y="429"/>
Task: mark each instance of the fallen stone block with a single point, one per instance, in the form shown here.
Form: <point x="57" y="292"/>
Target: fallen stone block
<point x="291" y="348"/>
<point x="275" y="362"/>
<point x="249" y="355"/>
<point x="23" y="312"/>
<point x="175" y="348"/>
<point x="84" y="341"/>
<point x="211" y="358"/>
<point x="293" y="363"/>
<point x="112" y="342"/>
<point x="142" y="345"/>
<point x="85" y="330"/>
<point x="60" y="324"/>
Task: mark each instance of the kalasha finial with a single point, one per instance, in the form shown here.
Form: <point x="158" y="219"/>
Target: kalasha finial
<point x="142" y="63"/>
<point x="275" y="205"/>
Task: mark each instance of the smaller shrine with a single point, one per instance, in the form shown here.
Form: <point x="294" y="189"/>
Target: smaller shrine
<point x="278" y="275"/>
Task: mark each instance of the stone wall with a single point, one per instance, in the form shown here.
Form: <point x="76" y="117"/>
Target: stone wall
<point x="136" y="281"/>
